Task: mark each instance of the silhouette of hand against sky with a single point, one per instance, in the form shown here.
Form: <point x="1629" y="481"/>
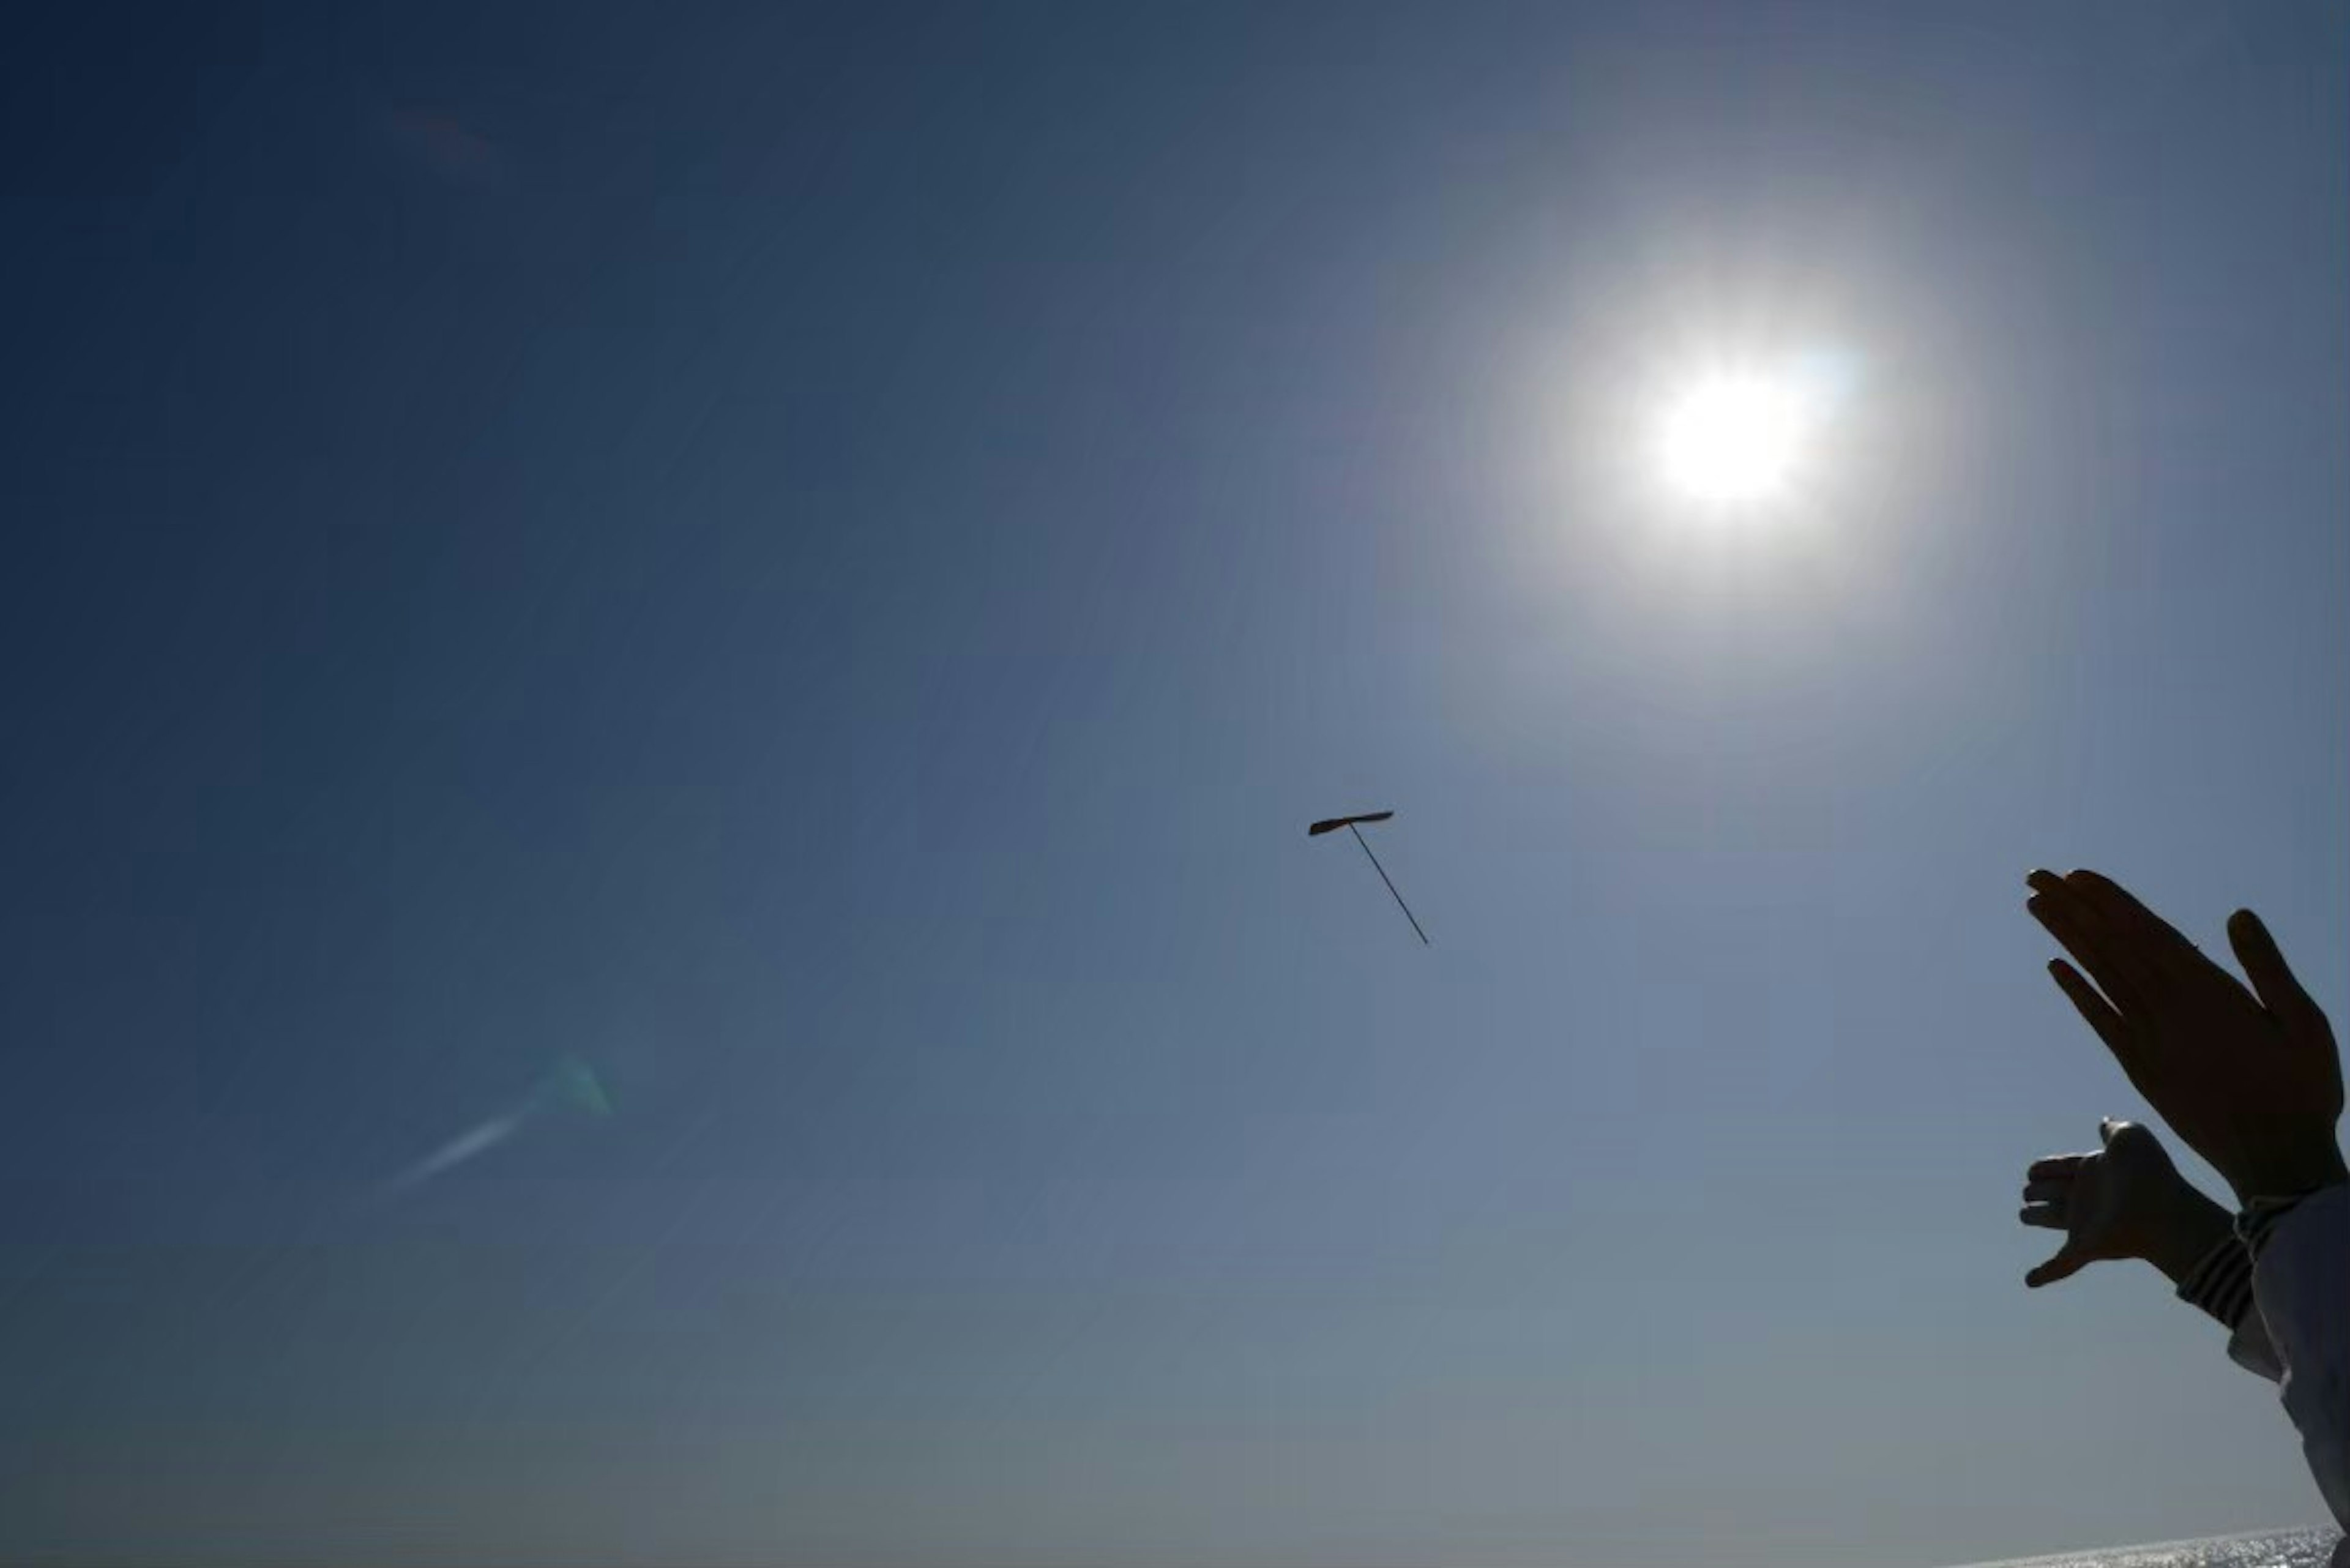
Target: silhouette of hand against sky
<point x="2125" y="1200"/>
<point x="2249" y="1078"/>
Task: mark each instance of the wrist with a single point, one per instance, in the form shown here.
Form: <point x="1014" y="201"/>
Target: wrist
<point x="2186" y="1231"/>
<point x="2290" y="1173"/>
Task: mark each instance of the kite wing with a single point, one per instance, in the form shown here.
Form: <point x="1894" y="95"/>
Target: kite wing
<point x="1334" y="824"/>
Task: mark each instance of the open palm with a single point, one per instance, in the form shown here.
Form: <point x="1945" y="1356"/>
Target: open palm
<point x="2248" y="1076"/>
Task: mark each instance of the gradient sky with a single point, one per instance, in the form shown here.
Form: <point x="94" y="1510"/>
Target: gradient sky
<point x="819" y="564"/>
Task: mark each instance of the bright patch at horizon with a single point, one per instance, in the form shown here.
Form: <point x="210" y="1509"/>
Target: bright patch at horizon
<point x="1736" y="438"/>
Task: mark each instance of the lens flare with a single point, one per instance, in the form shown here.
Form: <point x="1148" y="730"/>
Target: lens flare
<point x="1735" y="437"/>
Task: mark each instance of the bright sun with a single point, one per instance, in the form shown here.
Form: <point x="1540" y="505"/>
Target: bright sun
<point x="1734" y="439"/>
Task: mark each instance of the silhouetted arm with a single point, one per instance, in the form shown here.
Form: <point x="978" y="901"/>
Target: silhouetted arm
<point x="2127" y="1200"/>
<point x="2248" y="1075"/>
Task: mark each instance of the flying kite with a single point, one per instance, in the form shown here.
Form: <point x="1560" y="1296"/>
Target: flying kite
<point x="1353" y="826"/>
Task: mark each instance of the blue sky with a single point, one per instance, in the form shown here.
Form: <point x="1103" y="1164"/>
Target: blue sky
<point x="819" y="562"/>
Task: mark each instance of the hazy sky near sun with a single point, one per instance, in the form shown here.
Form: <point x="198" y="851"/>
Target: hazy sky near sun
<point x="820" y="563"/>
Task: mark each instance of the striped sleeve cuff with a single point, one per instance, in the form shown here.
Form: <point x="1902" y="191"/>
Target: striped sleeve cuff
<point x="2259" y="1218"/>
<point x="2221" y="1284"/>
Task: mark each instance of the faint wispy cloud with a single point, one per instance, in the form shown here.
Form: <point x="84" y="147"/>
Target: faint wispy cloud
<point x="571" y="1084"/>
<point x="469" y="1145"/>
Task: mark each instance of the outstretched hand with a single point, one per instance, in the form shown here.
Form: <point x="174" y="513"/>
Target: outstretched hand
<point x="2250" y="1078"/>
<point x="2125" y="1200"/>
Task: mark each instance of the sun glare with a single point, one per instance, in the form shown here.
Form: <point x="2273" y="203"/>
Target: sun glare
<point x="1734" y="439"/>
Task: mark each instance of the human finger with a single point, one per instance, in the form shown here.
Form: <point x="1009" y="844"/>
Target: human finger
<point x="2129" y="936"/>
<point x="2063" y="917"/>
<point x="2092" y="939"/>
<point x="2111" y="1027"/>
<point x="2063" y="1266"/>
<point x="2048" y="1191"/>
<point x="2056" y="1166"/>
<point x="2265" y="967"/>
<point x="2121" y="910"/>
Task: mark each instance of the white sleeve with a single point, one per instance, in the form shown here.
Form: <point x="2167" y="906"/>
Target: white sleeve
<point x="2248" y="1348"/>
<point x="2301" y="1285"/>
<point x="2220" y="1286"/>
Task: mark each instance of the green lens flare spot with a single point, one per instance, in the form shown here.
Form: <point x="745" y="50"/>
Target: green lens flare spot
<point x="576" y="1082"/>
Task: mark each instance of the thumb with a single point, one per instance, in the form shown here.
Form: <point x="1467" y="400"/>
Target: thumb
<point x="2063" y="1266"/>
<point x="2265" y="967"/>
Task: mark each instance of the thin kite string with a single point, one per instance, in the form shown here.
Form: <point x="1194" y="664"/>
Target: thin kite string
<point x="1391" y="886"/>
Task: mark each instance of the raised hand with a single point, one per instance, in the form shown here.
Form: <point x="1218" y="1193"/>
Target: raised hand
<point x="2125" y="1200"/>
<point x="2250" y="1078"/>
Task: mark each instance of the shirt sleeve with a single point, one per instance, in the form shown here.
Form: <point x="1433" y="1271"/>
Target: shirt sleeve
<point x="2248" y="1348"/>
<point x="2221" y="1285"/>
<point x="2301" y="1283"/>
